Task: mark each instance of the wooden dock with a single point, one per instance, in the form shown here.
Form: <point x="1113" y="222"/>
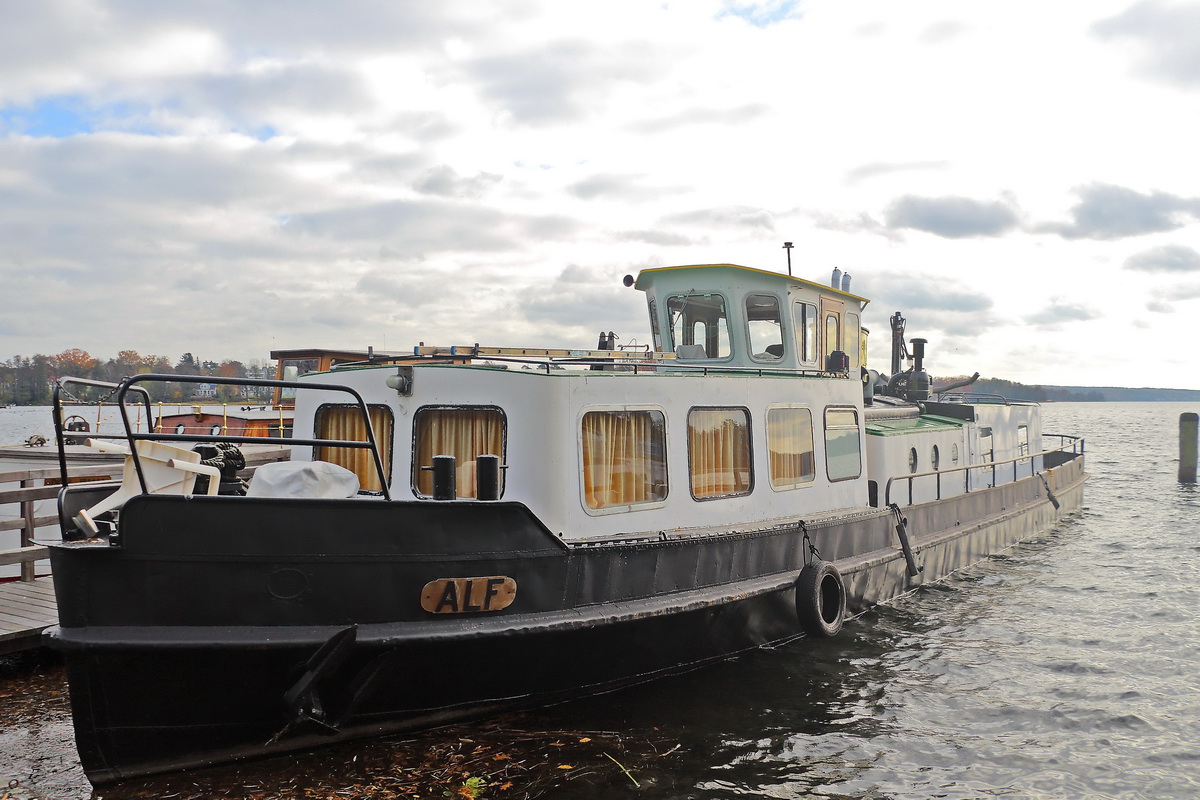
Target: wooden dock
<point x="26" y="609"/>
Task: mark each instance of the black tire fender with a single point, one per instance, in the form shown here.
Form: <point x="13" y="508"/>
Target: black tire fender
<point x="821" y="599"/>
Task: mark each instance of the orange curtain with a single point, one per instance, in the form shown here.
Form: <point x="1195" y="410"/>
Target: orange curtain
<point x="719" y="449"/>
<point x="466" y="434"/>
<point x="346" y="423"/>
<point x="790" y="446"/>
<point x="623" y="458"/>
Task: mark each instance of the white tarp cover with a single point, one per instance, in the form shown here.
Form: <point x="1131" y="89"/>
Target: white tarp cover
<point x="303" y="479"/>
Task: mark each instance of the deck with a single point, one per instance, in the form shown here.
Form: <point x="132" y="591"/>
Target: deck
<point x="26" y="609"/>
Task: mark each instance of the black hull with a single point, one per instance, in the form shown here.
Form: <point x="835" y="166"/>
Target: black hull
<point x="196" y="643"/>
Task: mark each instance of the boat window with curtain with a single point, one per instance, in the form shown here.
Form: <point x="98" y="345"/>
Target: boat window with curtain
<point x="346" y="423"/>
<point x="843" y="459"/>
<point x="624" y="458"/>
<point x="465" y="432"/>
<point x="790" y="447"/>
<point x="719" y="452"/>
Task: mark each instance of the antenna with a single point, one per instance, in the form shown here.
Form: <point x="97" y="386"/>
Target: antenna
<point x="788" y="246"/>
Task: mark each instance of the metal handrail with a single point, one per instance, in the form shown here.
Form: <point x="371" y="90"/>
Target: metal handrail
<point x="58" y="419"/>
<point x="132" y="436"/>
<point x="1076" y="446"/>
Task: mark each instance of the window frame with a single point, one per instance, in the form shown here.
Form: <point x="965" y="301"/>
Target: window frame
<point x="749" y="453"/>
<point x="416" y="441"/>
<point x="728" y="331"/>
<point x="750" y="339"/>
<point x="812" y="432"/>
<point x="624" y="508"/>
<point x="858" y="435"/>
<point x="387" y="446"/>
<point x="806" y="332"/>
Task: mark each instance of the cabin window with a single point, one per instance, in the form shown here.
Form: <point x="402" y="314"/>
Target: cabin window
<point x="699" y="325"/>
<point x="719" y="452"/>
<point x="842" y="457"/>
<point x="935" y="458"/>
<point x="986" y="450"/>
<point x="292" y="368"/>
<point x="465" y="432"/>
<point x="766" y="331"/>
<point x="852" y="338"/>
<point x="806" y="330"/>
<point x="790" y="447"/>
<point x="624" y="458"/>
<point x="346" y="423"/>
<point x="1022" y="441"/>
<point x="833" y="338"/>
<point x="655" y="329"/>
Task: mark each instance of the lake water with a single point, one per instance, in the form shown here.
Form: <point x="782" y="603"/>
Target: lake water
<point x="1068" y="667"/>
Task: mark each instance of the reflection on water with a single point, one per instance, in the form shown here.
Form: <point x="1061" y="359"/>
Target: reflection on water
<point x="1064" y="668"/>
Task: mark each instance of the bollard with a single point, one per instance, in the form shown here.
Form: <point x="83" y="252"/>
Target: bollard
<point x="487" y="480"/>
<point x="1188" y="440"/>
<point x="445" y="478"/>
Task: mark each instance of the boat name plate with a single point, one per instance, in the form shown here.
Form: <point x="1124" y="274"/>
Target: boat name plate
<point x="468" y="595"/>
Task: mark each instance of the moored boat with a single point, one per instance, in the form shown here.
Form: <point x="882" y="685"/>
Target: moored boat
<point x="470" y="528"/>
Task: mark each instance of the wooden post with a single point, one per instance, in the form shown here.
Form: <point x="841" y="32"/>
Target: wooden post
<point x="27" y="532"/>
<point x="1188" y="440"/>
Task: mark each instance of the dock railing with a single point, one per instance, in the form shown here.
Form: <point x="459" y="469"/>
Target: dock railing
<point x="1073" y="445"/>
<point x="35" y="485"/>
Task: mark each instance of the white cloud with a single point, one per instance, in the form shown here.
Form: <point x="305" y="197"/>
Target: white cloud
<point x="234" y="177"/>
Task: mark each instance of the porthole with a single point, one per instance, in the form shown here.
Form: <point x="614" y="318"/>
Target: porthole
<point x="215" y="430"/>
<point x="180" y="428"/>
<point x="912" y="459"/>
<point x="934" y="458"/>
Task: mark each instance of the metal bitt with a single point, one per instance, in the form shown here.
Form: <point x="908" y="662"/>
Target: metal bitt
<point x="487" y="477"/>
<point x="445" y="478"/>
<point x="1189" y="437"/>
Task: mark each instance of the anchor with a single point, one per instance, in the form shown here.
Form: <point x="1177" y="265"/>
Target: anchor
<point x="304" y="703"/>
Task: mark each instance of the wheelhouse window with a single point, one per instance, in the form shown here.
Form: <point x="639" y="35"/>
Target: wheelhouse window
<point x="719" y="452"/>
<point x="1022" y="441"/>
<point x="853" y="340"/>
<point x="699" y="325"/>
<point x="624" y="456"/>
<point x="766" y="332"/>
<point x="842" y="449"/>
<point x="346" y="423"/>
<point x="833" y="336"/>
<point x="790" y="447"/>
<point x="806" y="331"/>
<point x="465" y="432"/>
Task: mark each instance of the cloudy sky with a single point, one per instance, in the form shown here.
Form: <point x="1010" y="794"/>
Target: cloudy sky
<point x="1019" y="178"/>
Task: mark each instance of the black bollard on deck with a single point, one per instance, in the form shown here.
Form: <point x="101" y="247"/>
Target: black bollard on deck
<point x="445" y="478"/>
<point x="1189" y="428"/>
<point x="487" y="477"/>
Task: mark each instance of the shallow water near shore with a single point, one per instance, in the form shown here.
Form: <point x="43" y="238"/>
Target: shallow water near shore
<point x="1064" y="668"/>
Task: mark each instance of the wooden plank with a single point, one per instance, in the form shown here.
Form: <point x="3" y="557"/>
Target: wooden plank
<point x="19" y="524"/>
<point x="36" y="601"/>
<point x="22" y="555"/>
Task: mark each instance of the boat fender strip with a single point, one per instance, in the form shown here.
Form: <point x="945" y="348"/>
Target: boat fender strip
<point x="821" y="599"/>
<point x="1049" y="491"/>
<point x="902" y="534"/>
